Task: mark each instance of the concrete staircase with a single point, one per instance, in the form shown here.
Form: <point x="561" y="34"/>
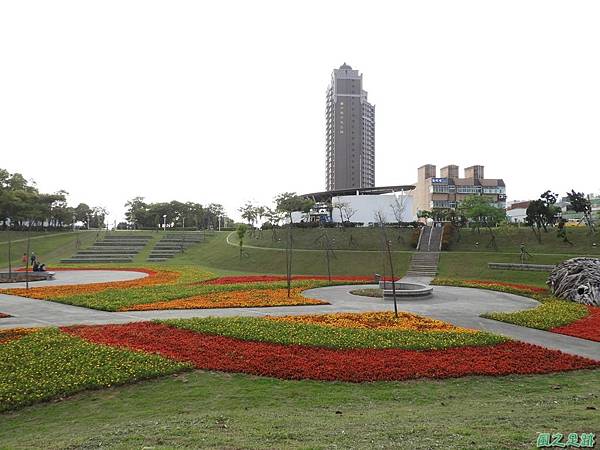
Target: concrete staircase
<point x="112" y="249"/>
<point x="424" y="262"/>
<point x="173" y="244"/>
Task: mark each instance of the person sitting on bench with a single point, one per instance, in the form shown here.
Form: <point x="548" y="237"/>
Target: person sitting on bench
<point x="39" y="267"/>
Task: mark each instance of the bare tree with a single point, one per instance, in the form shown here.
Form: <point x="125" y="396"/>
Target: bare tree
<point x="327" y="244"/>
<point x="399" y="207"/>
<point x="387" y="249"/>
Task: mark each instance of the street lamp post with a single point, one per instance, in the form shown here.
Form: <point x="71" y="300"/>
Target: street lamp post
<point x="165" y="222"/>
<point x="88" y="220"/>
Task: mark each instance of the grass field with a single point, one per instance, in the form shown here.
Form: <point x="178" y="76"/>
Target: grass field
<point x="509" y="239"/>
<point x="474" y="266"/>
<point x="212" y="410"/>
<point x="362" y="238"/>
<point x="216" y="253"/>
<point x="50" y="247"/>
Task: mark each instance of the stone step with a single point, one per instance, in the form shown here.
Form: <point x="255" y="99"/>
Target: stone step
<point x="107" y="260"/>
<point x="100" y="255"/>
<point x="186" y="239"/>
<point x="107" y="256"/>
<point x="156" y="259"/>
<point x="171" y="247"/>
<point x="114" y="251"/>
<point x="104" y="248"/>
<point x="120" y="244"/>
<point x="127" y="238"/>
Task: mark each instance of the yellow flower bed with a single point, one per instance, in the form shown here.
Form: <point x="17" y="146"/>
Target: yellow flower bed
<point x="233" y="299"/>
<point x="375" y="321"/>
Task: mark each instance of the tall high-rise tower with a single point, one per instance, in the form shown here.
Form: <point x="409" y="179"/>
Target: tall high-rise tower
<point x="350" y="149"/>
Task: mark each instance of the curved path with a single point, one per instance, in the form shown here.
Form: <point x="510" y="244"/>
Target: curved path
<point x="66" y="277"/>
<point x="459" y="306"/>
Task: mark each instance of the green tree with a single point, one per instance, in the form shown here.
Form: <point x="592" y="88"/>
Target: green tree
<point x="579" y="203"/>
<point x="542" y="213"/>
<point x="289" y="202"/>
<point x="137" y="212"/>
<point x="241" y="234"/>
<point x="479" y="210"/>
<point x="249" y="213"/>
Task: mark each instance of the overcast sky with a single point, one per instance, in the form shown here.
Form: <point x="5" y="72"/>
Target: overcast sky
<point x="225" y="101"/>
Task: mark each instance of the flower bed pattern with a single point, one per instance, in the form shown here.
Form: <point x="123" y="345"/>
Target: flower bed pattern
<point x="586" y="328"/>
<point x="375" y="321"/>
<point x="13" y="334"/>
<point x="48" y="363"/>
<point x="182" y="288"/>
<point x="227" y="354"/>
<point x="553" y="314"/>
<point x="234" y="299"/>
<point x="155" y="277"/>
<point x="300" y="332"/>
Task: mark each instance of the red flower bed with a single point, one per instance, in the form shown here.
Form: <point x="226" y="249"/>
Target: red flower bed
<point x="586" y="328"/>
<point x="301" y="362"/>
<point x="272" y="278"/>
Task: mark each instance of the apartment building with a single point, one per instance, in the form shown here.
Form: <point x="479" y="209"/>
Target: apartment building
<point x="447" y="189"/>
<point x="350" y="132"/>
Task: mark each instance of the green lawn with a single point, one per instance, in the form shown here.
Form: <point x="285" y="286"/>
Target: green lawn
<point x="362" y="238"/>
<point x="474" y="266"/>
<point x="211" y="410"/>
<point x="509" y="240"/>
<point x="216" y="253"/>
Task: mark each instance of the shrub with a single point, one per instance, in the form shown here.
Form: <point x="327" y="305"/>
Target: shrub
<point x="448" y="236"/>
<point x="414" y="237"/>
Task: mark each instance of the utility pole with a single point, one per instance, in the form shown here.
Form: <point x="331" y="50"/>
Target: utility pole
<point x="28" y="250"/>
<point x="9" y="255"/>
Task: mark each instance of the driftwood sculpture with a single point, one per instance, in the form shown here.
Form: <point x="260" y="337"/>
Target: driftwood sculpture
<point x="578" y="280"/>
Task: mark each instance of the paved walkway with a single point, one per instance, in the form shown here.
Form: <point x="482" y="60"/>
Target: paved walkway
<point x="459" y="306"/>
<point x="66" y="277"/>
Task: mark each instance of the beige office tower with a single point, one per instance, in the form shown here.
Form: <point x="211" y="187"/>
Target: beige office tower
<point x="350" y="147"/>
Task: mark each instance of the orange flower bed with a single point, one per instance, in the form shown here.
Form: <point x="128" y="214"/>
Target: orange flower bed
<point x="374" y="321"/>
<point x="233" y="299"/>
<point x="14" y="333"/>
<point x="56" y="292"/>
